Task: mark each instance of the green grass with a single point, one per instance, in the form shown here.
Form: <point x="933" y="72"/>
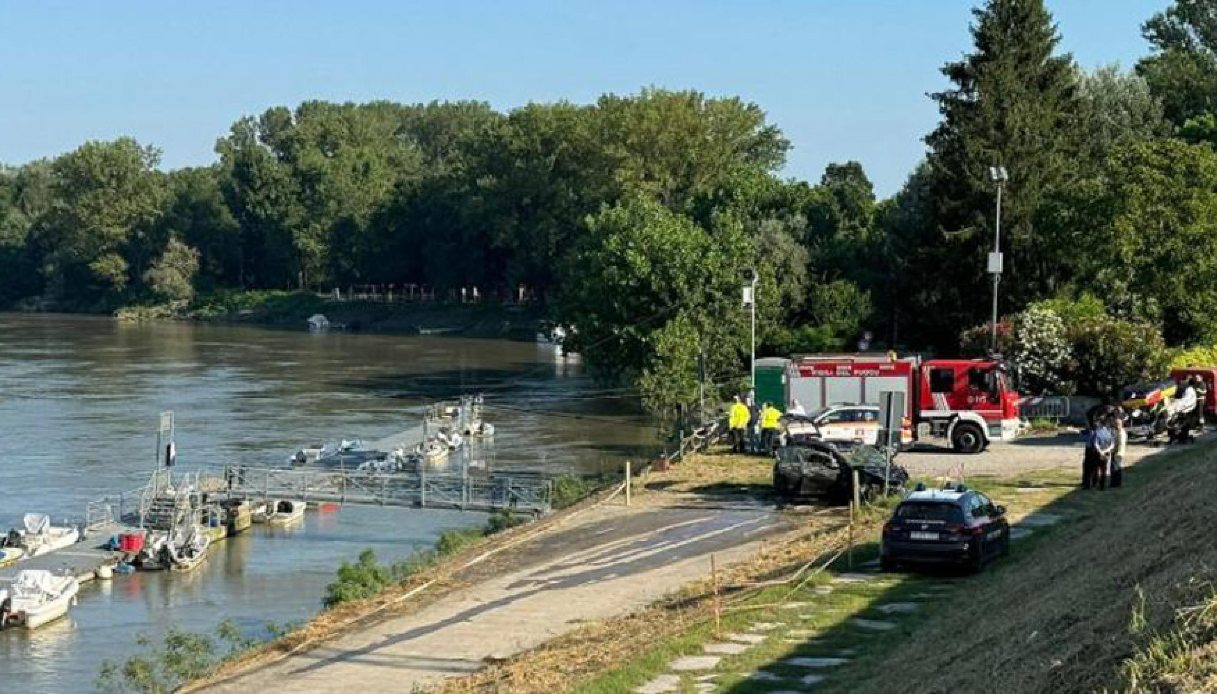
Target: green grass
<point x="826" y="617"/>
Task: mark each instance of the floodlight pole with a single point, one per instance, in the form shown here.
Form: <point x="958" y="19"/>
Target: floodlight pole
<point x="998" y="173"/>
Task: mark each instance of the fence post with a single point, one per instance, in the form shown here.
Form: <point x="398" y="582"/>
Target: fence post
<point x="628" y="482"/>
<point x="854" y="507"/>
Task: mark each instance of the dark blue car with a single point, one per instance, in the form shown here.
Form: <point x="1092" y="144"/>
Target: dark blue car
<point x="955" y="525"/>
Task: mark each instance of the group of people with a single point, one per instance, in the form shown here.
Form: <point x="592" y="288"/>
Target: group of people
<point x="753" y="429"/>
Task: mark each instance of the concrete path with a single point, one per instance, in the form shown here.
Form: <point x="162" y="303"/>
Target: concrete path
<point x="607" y="562"/>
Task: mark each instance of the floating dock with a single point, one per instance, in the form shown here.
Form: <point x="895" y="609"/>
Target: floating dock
<point x="81" y="560"/>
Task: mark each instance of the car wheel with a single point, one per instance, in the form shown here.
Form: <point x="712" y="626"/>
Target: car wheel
<point x="967" y="438"/>
<point x="976" y="561"/>
<point x="887" y="564"/>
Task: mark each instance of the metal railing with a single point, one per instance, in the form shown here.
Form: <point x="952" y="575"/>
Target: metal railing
<point x="1044" y="407"/>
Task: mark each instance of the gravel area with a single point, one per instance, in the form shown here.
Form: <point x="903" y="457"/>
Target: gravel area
<point x="1024" y="454"/>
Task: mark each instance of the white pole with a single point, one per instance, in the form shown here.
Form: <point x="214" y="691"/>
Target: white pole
<point x="996" y="269"/>
<point x="753" y="302"/>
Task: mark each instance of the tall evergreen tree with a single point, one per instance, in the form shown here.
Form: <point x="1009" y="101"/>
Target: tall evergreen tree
<point x="1012" y="103"/>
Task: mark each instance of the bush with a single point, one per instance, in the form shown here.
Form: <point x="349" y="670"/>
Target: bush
<point x="453" y="541"/>
<point x="975" y="340"/>
<point x="363" y="579"/>
<point x="1041" y="351"/>
<point x="1109" y="354"/>
<point x="569" y="489"/>
<point x="1199" y="355"/>
<point x="182" y="657"/>
<point x="503" y="520"/>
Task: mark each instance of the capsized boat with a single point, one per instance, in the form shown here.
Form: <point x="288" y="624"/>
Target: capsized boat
<point x="39" y="537"/>
<point x="37" y="597"/>
<point x="286" y="512"/>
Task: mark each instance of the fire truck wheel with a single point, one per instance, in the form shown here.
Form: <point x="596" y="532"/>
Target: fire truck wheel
<point x="967" y="438"/>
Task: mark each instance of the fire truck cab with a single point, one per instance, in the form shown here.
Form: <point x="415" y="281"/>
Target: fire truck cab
<point x="966" y="402"/>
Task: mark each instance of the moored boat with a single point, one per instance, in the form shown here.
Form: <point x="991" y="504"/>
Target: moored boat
<point x="260" y="511"/>
<point x="286" y="512"/>
<point x="37" y="597"/>
<point x="39" y="537"/>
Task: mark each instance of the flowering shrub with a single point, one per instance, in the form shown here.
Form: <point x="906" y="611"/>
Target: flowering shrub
<point x="1040" y="350"/>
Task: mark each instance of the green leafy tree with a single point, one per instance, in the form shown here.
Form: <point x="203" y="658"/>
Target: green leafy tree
<point x="1153" y="233"/>
<point x="107" y="197"/>
<point x="198" y="215"/>
<point x="1117" y="108"/>
<point x="1181" y="70"/>
<point x="171" y="277"/>
<point x="647" y="289"/>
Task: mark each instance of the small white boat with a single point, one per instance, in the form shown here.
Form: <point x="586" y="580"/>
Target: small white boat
<point x="190" y="551"/>
<point x="432" y="454"/>
<point x="309" y="454"/>
<point x="287" y="512"/>
<point x="259" y="511"/>
<point x="37" y="597"/>
<point x="39" y="537"/>
<point x="318" y="323"/>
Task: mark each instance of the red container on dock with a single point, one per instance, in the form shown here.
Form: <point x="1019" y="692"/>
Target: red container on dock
<point x="130" y="542"/>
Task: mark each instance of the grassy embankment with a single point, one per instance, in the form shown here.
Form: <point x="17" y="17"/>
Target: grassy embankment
<point x="294" y="308"/>
<point x="1114" y="596"/>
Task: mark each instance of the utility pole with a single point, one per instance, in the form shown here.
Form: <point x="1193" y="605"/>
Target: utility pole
<point x="999" y="176"/>
<point x="750" y="301"/>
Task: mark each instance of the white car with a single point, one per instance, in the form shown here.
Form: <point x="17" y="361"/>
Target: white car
<point x="843" y="425"/>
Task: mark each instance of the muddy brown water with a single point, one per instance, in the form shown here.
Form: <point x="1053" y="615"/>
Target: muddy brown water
<point x="79" y="398"/>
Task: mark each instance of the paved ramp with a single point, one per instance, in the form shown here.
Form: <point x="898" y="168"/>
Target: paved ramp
<point x="608" y="562"/>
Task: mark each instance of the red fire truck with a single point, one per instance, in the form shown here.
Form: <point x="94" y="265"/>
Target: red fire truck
<point x="968" y="402"/>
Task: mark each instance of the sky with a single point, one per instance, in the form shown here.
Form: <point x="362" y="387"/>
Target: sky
<point x="842" y="79"/>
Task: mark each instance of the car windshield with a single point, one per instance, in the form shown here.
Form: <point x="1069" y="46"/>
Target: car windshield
<point x="929" y="510"/>
<point x="803" y="454"/>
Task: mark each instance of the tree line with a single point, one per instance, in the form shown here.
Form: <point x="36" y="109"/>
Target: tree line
<point x="636" y="219"/>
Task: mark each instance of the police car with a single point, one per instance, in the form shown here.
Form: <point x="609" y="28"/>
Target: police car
<point x="843" y="426"/>
<point x="954" y="525"/>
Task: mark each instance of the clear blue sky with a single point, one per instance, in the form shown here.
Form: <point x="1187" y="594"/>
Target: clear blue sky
<point x="844" y="80"/>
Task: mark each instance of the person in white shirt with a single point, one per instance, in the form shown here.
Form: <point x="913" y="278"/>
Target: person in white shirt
<point x="1121" y="444"/>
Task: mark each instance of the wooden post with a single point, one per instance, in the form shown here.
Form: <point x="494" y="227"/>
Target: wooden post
<point x="718" y="627"/>
<point x="628" y="482"/>
<point x="855" y="507"/>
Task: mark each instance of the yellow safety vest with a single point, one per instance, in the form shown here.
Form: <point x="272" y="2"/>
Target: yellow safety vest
<point x="770" y="417"/>
<point x="739" y="416"/>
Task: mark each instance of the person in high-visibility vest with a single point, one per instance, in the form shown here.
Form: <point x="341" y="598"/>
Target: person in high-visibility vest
<point x="737" y="422"/>
<point x="770" y="416"/>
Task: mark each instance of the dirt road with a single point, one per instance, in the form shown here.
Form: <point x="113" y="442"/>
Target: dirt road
<point x="1021" y="455"/>
<point x="608" y="561"/>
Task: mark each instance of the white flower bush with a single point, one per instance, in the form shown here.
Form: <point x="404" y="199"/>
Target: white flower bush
<point x="1041" y="350"/>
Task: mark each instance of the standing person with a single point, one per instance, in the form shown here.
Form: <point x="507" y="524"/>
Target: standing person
<point x="770" y="416"/>
<point x="1117" y="460"/>
<point x="737" y="422"/>
<point x="1099" y="445"/>
<point x="1105" y="445"/>
<point x="754" y="423"/>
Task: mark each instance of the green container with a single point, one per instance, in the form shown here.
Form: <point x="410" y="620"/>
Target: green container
<point x="771" y="381"/>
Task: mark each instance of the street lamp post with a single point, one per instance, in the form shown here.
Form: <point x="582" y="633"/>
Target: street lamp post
<point x="750" y="301"/>
<point x="999" y="176"/>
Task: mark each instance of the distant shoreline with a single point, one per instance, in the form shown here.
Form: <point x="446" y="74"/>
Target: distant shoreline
<point x="293" y="309"/>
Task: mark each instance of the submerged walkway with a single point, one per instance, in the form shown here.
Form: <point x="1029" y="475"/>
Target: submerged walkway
<point x="609" y="561"/>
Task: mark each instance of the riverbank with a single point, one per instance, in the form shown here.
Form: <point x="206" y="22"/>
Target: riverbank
<point x="293" y="309"/>
<point x="1064" y="612"/>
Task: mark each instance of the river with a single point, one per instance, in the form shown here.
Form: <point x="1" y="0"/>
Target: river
<point x="79" y="399"/>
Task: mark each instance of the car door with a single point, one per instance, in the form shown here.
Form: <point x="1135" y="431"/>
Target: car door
<point x="990" y="530"/>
